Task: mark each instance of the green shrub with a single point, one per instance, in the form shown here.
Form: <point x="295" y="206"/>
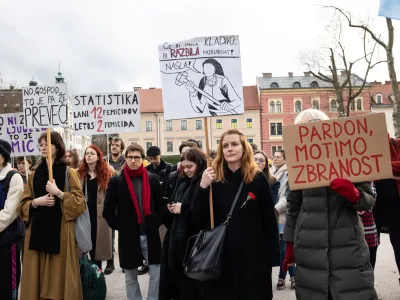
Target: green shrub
<point x="172" y="159"/>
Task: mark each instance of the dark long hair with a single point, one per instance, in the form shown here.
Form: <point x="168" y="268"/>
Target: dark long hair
<point x="198" y="157"/>
<point x="75" y="158"/>
<point x="218" y="71"/>
<point x="58" y="142"/>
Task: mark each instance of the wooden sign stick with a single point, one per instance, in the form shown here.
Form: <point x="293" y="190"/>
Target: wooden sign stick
<point x="209" y="165"/>
<point x="49" y="155"/>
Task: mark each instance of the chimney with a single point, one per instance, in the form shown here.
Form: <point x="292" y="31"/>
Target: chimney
<point x="343" y="73"/>
<point x="152" y="88"/>
<point x="32" y="83"/>
<point x="267" y="75"/>
<point x="307" y="74"/>
<point x="290" y="74"/>
<point x="11" y="87"/>
<point x="388" y="82"/>
<point x="137" y="88"/>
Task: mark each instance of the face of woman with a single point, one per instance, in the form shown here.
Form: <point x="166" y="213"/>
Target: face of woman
<point x="209" y="70"/>
<point x="279" y="161"/>
<point x="91" y="156"/>
<point x="1" y="161"/>
<point x="68" y="157"/>
<point x="189" y="167"/>
<point x="232" y="148"/>
<point x="43" y="148"/>
<point x="260" y="161"/>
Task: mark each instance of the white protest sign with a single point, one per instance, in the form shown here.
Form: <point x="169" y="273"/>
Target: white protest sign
<point x="106" y="113"/>
<point x="24" y="142"/>
<point x="201" y="77"/>
<point x="45" y="106"/>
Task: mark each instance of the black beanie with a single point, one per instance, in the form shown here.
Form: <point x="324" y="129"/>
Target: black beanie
<point x="153" y="151"/>
<point x="5" y="150"/>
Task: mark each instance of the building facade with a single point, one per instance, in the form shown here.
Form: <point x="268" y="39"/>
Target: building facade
<point x="283" y="98"/>
<point x="169" y="134"/>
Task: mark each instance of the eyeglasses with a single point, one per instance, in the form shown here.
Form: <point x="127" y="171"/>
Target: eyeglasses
<point x="136" y="158"/>
<point x="277" y="157"/>
<point x="261" y="160"/>
<point x="90" y="153"/>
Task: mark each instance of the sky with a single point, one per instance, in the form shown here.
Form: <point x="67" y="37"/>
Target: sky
<point x="112" y="46"/>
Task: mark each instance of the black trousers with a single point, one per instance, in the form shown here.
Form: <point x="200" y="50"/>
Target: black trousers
<point x="372" y="256"/>
<point x="10" y="272"/>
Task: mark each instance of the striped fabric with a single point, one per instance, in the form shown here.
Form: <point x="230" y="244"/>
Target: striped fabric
<point x="14" y="285"/>
<point x="371" y="232"/>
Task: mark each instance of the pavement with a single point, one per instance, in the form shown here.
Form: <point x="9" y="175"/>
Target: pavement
<point x="386" y="278"/>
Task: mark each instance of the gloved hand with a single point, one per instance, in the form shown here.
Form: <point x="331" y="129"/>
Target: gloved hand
<point x="346" y="188"/>
<point x="289" y="257"/>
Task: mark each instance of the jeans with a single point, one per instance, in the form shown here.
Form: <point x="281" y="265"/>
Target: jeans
<point x="131" y="277"/>
<point x="292" y="269"/>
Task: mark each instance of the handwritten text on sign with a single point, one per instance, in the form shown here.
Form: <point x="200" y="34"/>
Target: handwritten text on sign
<point x="24" y="142"/>
<point x="353" y="148"/>
<point x="45" y="106"/>
<point x="106" y="113"/>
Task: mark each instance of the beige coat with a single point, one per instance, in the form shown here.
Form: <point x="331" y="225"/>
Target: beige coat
<point x="54" y="276"/>
<point x="104" y="234"/>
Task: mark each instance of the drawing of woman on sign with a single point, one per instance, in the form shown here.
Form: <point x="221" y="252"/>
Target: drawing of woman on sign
<point x="214" y="90"/>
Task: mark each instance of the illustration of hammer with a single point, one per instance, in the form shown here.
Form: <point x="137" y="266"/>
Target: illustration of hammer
<point x="182" y="79"/>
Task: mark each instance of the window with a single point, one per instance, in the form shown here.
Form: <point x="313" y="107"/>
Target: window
<point x="219" y="123"/>
<point x="234" y="123"/>
<point x="314" y="84"/>
<point x="183" y="125"/>
<point x="334" y="105"/>
<point x="251" y="141"/>
<point x="169" y="125"/>
<point x="359" y="104"/>
<point x="272" y="107"/>
<point x="315" y="104"/>
<point x="170" y="146"/>
<point x="274" y="85"/>
<point x="249" y="123"/>
<point x="296" y="85"/>
<point x="276" y="128"/>
<point x="148" y="126"/>
<point x="278" y="107"/>
<point x="378" y="99"/>
<point x="297" y="106"/>
<point x="199" y="125"/>
<point x="200" y="142"/>
<point x="148" y="145"/>
<point x="352" y="105"/>
<point x="276" y="148"/>
<point x="217" y="143"/>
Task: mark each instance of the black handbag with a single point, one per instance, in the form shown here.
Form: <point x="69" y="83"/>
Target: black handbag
<point x="204" y="260"/>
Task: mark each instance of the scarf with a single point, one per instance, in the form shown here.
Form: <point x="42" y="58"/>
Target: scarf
<point x="278" y="173"/>
<point x="46" y="221"/>
<point x="128" y="173"/>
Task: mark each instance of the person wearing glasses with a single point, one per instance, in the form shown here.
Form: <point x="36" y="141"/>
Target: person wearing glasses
<point x="95" y="174"/>
<point x="133" y="206"/>
<point x="262" y="162"/>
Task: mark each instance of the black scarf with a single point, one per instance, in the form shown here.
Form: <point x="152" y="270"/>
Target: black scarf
<point x="46" y="221"/>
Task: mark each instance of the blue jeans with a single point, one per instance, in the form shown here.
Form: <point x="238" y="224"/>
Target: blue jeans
<point x="292" y="269"/>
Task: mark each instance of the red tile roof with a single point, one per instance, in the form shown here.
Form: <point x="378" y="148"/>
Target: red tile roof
<point x="384" y="89"/>
<point x="151" y="99"/>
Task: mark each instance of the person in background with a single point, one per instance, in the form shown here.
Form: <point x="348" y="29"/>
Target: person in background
<point x="117" y="161"/>
<point x="254" y="147"/>
<point x="251" y="241"/>
<point x="72" y="158"/>
<point x="279" y="170"/>
<point x="51" y="266"/>
<point x="11" y="188"/>
<point x="324" y="236"/>
<point x="261" y="160"/>
<point x="157" y="165"/>
<point x="133" y="206"/>
<point x="22" y="168"/>
<point x="94" y="175"/>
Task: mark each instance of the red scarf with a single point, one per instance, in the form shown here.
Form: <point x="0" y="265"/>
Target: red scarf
<point x="128" y="173"/>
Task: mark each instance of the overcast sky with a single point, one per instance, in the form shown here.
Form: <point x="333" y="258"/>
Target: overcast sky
<point x="109" y="46"/>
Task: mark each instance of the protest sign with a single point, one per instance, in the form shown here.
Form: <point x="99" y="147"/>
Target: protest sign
<point x="106" y="113"/>
<point x="45" y="106"/>
<point x="24" y="142"/>
<point x="354" y="148"/>
<point x="201" y="77"/>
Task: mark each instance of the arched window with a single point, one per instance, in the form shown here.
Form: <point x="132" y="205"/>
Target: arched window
<point x="297" y="106"/>
<point x="296" y="85"/>
<point x="314" y="84"/>
<point x="315" y="104"/>
<point x="333" y="105"/>
<point x="352" y="105"/>
<point x="359" y="104"/>
<point x="278" y="107"/>
<point x="274" y="85"/>
<point x="272" y="107"/>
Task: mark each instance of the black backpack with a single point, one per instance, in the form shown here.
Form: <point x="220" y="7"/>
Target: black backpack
<point x="16" y="230"/>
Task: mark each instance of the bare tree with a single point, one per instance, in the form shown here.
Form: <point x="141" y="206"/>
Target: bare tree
<point x="390" y="59"/>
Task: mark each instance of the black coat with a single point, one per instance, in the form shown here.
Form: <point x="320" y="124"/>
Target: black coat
<point x="120" y="215"/>
<point x="252" y="241"/>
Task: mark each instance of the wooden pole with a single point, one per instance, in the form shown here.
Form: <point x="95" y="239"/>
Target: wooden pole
<point x="49" y="155"/>
<point x="209" y="165"/>
<point x="108" y="150"/>
<point x="26" y="169"/>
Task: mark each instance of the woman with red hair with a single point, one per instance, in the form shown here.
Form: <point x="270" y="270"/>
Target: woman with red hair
<point x="95" y="173"/>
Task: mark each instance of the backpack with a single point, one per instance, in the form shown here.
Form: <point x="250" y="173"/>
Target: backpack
<point x="16" y="230"/>
<point x="93" y="280"/>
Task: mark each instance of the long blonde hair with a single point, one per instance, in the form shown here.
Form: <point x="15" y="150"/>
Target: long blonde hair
<point x="248" y="168"/>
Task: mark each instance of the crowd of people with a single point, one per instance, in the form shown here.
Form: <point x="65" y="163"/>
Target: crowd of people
<point x="325" y="238"/>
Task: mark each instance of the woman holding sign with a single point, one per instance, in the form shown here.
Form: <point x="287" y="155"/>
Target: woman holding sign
<point x="324" y="237"/>
<point x="51" y="268"/>
<point x="251" y="246"/>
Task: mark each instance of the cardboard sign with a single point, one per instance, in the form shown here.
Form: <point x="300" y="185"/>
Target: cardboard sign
<point x="354" y="148"/>
<point x="106" y="113"/>
<point x="24" y="142"/>
<point x="45" y="106"/>
<point x="201" y="77"/>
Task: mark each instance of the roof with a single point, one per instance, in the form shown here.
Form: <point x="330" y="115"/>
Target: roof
<point x="10" y="101"/>
<point x="384" y="89"/>
<point x="151" y="99"/>
<point x="305" y="81"/>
